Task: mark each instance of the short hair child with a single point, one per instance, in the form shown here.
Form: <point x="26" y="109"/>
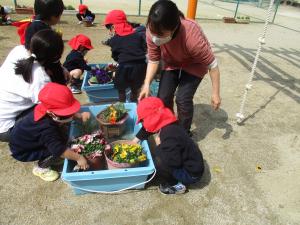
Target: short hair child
<point x="75" y="62"/>
<point x="48" y="13"/>
<point x="128" y="49"/>
<point x="41" y="135"/>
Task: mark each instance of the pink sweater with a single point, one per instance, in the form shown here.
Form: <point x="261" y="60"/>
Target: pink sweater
<point x="189" y="50"/>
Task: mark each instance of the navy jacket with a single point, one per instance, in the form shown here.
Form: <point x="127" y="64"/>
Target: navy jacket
<point x="75" y="60"/>
<point x="30" y="140"/>
<point x="177" y="150"/>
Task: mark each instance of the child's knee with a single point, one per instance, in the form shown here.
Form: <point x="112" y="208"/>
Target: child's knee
<point x="77" y="73"/>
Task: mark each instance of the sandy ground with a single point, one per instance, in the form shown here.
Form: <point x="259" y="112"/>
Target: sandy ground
<point x="232" y="191"/>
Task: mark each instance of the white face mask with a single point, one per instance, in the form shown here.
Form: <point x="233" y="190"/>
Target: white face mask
<point x="161" y="41"/>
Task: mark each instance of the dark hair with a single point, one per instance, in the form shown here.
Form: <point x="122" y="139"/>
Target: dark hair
<point x="164" y="15"/>
<point x="108" y="26"/>
<point x="48" y="8"/>
<point x="46" y="47"/>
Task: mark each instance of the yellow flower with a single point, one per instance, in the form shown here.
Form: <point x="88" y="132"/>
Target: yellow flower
<point x="142" y="158"/>
<point x="131" y="161"/>
<point x="123" y="154"/>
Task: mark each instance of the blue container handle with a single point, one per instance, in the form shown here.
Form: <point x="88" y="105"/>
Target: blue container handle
<point x="111" y="192"/>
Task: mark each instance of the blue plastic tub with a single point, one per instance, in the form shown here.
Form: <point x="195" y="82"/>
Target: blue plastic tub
<point x="109" y="180"/>
<point x="154" y="87"/>
<point x="99" y="92"/>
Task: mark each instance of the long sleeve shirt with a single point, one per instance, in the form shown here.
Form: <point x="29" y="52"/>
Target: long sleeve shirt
<point x="189" y="50"/>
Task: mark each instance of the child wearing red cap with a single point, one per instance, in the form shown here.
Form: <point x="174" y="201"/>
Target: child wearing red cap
<point x="41" y="134"/>
<point x="4" y="13"/>
<point x="178" y="160"/>
<point x="129" y="50"/>
<point x="84" y="13"/>
<point x="75" y="62"/>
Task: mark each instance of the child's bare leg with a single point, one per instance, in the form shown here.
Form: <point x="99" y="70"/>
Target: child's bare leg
<point x="76" y="74"/>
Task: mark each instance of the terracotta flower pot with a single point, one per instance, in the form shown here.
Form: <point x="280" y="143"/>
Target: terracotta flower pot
<point x="229" y="20"/>
<point x="96" y="163"/>
<point x="87" y="23"/>
<point x="112" y="130"/>
<point x="28" y="10"/>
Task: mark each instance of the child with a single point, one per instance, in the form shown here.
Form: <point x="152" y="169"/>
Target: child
<point x="48" y="13"/>
<point x="177" y="158"/>
<point x="84" y="13"/>
<point x="5" y="18"/>
<point x="39" y="136"/>
<point x="75" y="62"/>
<point x="129" y="51"/>
<point x="24" y="73"/>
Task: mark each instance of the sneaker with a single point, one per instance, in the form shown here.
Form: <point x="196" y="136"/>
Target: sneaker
<point x="75" y="90"/>
<point x="45" y="174"/>
<point x="176" y="189"/>
<point x="80" y="22"/>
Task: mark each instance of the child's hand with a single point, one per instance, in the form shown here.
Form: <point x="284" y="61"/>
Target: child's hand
<point x="85" y="116"/>
<point x="135" y="140"/>
<point x="82" y="163"/>
<point x="157" y="140"/>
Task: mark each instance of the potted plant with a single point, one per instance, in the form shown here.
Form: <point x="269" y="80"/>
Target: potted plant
<point x="124" y="154"/>
<point x="100" y="76"/>
<point x="88" y="21"/>
<point x="92" y="147"/>
<point x="112" y="119"/>
<point x="243" y="19"/>
<point x="228" y="20"/>
<point x="24" y="9"/>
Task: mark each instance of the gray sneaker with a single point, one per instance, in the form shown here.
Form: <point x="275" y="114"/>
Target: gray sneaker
<point x="75" y="89"/>
<point x="176" y="189"/>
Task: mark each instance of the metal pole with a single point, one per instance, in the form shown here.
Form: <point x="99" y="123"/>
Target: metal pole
<point x="277" y="6"/>
<point x="192" y="8"/>
<point x="15" y="2"/>
<point x="236" y="9"/>
<point x="80" y="1"/>
<point x="140" y="3"/>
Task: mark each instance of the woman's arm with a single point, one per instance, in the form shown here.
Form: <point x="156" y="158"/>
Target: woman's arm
<point x="152" y="68"/>
<point x="215" y="81"/>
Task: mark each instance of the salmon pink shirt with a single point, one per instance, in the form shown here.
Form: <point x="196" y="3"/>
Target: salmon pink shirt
<point x="189" y="50"/>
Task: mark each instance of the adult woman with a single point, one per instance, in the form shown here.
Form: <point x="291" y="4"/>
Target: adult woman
<point x="24" y="73"/>
<point x="187" y="56"/>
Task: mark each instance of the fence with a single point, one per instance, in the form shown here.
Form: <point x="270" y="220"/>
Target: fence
<point x="206" y="9"/>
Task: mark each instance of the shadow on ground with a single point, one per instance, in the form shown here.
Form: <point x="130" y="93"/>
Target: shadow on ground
<point x="206" y="120"/>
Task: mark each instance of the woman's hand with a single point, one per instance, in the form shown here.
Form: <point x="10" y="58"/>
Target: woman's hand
<point x="215" y="101"/>
<point x="145" y="92"/>
<point x="82" y="163"/>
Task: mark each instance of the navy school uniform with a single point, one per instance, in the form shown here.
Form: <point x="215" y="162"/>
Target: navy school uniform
<point x="177" y="158"/>
<point x="75" y="60"/>
<point x="32" y="141"/>
<point x="35" y="26"/>
<point x="130" y="53"/>
<point x="88" y="13"/>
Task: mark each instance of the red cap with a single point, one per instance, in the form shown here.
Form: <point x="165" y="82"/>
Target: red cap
<point x="57" y="99"/>
<point x="80" y="40"/>
<point x="119" y="20"/>
<point x="82" y="8"/>
<point x="154" y="114"/>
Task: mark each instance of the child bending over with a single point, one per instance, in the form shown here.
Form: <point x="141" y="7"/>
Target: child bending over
<point x="41" y="136"/>
<point x="75" y="62"/>
<point x="177" y="158"/>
